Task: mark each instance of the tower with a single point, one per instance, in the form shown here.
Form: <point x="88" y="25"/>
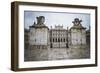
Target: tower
<point x="38" y="39"/>
<point x="78" y="34"/>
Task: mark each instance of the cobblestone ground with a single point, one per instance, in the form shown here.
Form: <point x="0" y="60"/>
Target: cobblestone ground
<point x="56" y="54"/>
<point x="68" y="53"/>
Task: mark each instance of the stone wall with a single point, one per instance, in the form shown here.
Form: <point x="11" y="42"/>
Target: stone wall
<point x="38" y="36"/>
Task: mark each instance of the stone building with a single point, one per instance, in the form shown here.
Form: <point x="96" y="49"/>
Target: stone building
<point x="39" y="39"/>
<point x="64" y="38"/>
<point x="77" y="34"/>
<point x="38" y="33"/>
<point x="56" y="43"/>
<point x="58" y="37"/>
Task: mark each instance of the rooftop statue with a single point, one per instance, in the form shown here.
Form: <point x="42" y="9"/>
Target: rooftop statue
<point x="77" y="24"/>
<point x="77" y="21"/>
<point x="40" y="20"/>
<point x="39" y="23"/>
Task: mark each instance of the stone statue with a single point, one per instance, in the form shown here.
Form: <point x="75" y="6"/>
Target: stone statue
<point x="77" y="21"/>
<point x="40" y="20"/>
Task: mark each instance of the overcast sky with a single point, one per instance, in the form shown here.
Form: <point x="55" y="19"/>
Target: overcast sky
<point x="56" y="18"/>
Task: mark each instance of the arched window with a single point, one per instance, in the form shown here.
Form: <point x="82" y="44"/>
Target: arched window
<point x="64" y="39"/>
<point x="58" y="40"/>
<point x="53" y="39"/>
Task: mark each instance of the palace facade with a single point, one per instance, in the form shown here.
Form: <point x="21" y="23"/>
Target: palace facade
<point x="75" y="37"/>
<point x="44" y="41"/>
<point x="57" y="37"/>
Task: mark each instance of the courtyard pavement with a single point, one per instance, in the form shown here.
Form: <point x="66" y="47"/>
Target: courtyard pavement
<point x="56" y="54"/>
